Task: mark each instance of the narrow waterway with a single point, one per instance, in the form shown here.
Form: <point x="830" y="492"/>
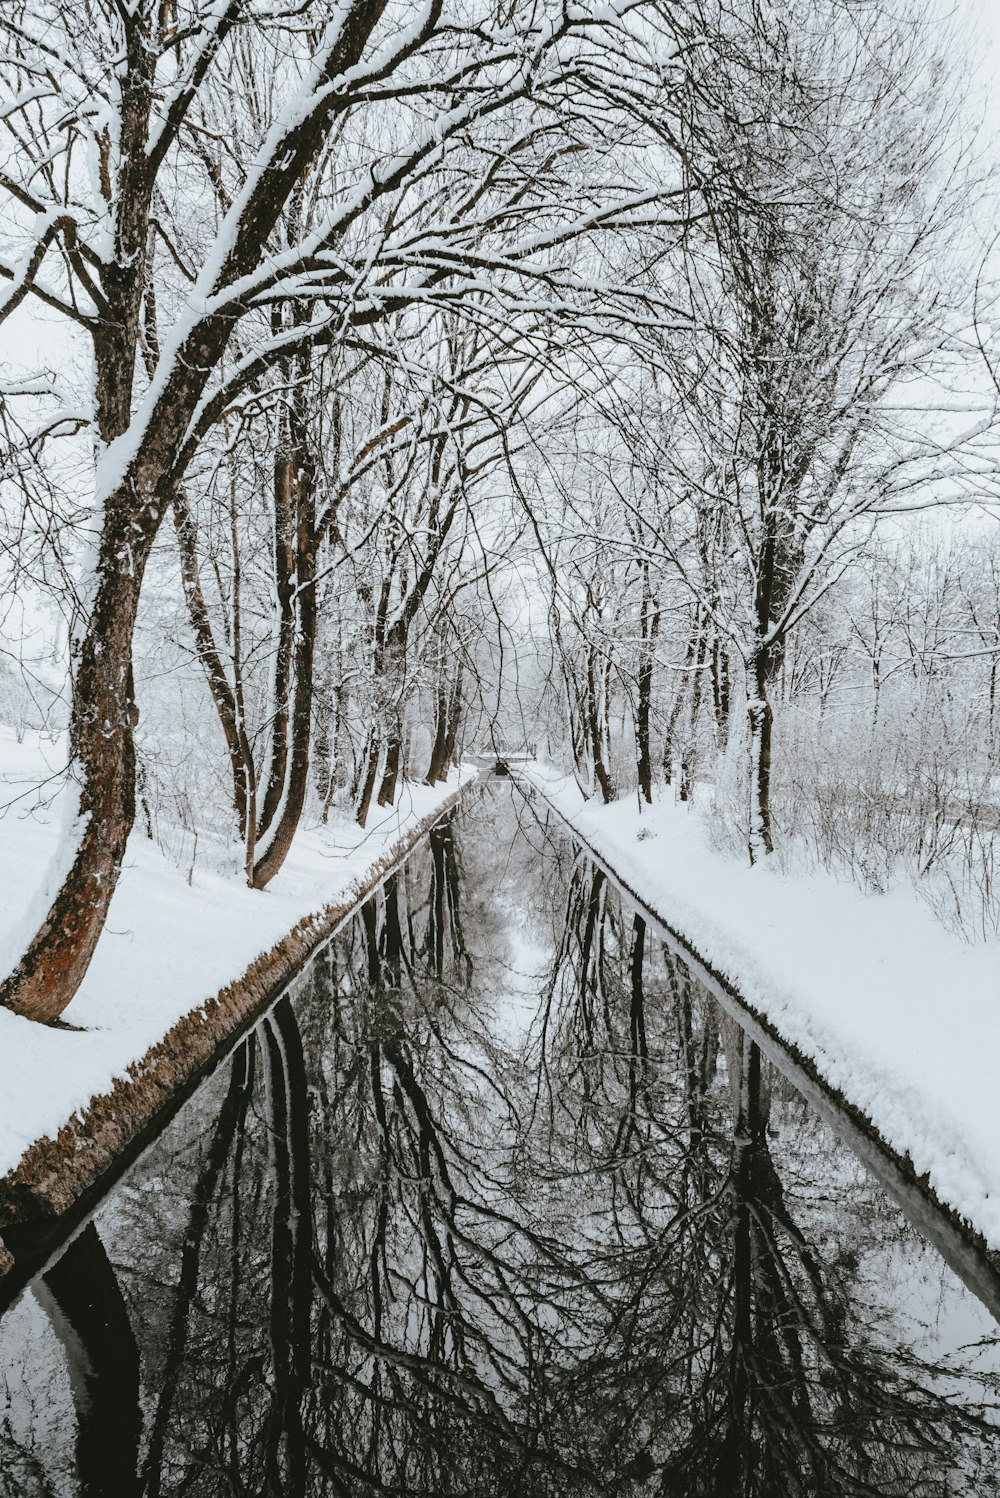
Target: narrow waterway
<point x="499" y="1201"/>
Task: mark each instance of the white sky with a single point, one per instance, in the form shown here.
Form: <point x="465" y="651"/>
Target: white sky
<point x="978" y="22"/>
<point x="35" y="337"/>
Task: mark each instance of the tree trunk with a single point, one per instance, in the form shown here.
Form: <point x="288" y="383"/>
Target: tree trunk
<point x="595" y="725"/>
<point x="276" y="837"/>
<point x="390" y="776"/>
<point x="372" y="760"/>
<point x="760" y="718"/>
<point x="284" y="587"/>
<point x="720" y="691"/>
<point x="102" y="721"/>
<point x="280" y="835"/>
<point x="103" y="713"/>
<point x="447" y="712"/>
<point x="650" y="629"/>
<point x="223" y="696"/>
<point x="454" y="719"/>
<point x="436" y="770"/>
<point x="670" y="736"/>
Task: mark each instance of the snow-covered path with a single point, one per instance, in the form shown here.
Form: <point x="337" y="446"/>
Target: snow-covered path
<point x="895" y="1012"/>
<point x="168" y="945"/>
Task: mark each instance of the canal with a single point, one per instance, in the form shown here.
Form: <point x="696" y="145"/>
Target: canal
<point x="499" y="1200"/>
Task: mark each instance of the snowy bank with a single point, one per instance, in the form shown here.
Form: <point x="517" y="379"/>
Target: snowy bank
<point x="169" y="949"/>
<point x="897" y="1014"/>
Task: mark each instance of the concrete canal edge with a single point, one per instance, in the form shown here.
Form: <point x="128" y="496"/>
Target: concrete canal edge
<point x="53" y="1174"/>
<point x="962" y="1245"/>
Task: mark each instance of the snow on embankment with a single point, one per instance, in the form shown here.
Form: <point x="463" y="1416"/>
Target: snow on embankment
<point x="896" y="1013"/>
<point x="168" y="946"/>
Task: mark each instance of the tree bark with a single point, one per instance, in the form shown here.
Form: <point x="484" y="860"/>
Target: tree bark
<point x="759" y="716"/>
<point x="223" y="696"/>
<point x="595" y="728"/>
<point x="650" y="625"/>
<point x="446" y="720"/>
<point x="276" y="837"/>
<point x="390" y="775"/>
<point x="103" y="712"/>
<point x="437" y="768"/>
<point x="284" y="587"/>
<point x="102" y="720"/>
<point x="372" y="760"/>
<point x="720" y="691"/>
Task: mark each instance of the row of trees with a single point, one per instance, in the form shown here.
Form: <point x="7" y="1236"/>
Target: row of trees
<point x="885" y="761"/>
<point x="243" y="210"/>
<point x="410" y="314"/>
<point x="745" y="471"/>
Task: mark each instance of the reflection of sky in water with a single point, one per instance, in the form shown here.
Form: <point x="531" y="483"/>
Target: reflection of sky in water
<point x="36" y="1403"/>
<point x="518" y="980"/>
<point x="916" y="1298"/>
<point x="514" y="1230"/>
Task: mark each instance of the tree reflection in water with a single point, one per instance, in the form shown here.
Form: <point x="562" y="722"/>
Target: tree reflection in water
<point x="428" y="1237"/>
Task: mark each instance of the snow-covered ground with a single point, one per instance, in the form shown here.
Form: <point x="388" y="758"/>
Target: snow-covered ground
<point x="168" y="945"/>
<point x="896" y="1012"/>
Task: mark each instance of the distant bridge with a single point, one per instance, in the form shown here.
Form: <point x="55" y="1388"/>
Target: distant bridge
<point x="499" y="757"/>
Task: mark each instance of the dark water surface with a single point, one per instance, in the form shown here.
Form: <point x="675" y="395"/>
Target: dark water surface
<point x="499" y="1201"/>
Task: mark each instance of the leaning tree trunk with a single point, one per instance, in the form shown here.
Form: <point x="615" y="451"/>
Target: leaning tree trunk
<point x="579" y="740"/>
<point x="82" y="878"/>
<point x="385" y="748"/>
<point x="275" y="834"/>
<point x="102" y="722"/>
<point x="279" y="837"/>
<point x="223" y="696"/>
<point x="437" y="769"/>
<point x="454" y="720"/>
<point x="267" y="839"/>
<point x="369" y="779"/>
<point x="284" y="588"/>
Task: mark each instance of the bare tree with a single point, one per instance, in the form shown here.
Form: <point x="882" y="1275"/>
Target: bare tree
<point x="115" y="110"/>
<point x="824" y="290"/>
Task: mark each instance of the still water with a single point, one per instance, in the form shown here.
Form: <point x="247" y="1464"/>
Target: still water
<point x="498" y="1202"/>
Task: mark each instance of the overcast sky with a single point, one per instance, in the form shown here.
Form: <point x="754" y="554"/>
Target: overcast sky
<point x="36" y="335"/>
<point x="979" y="21"/>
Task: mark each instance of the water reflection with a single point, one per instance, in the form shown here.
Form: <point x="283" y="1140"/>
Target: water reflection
<point x="498" y="1203"/>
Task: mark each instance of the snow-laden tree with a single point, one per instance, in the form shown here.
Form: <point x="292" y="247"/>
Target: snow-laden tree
<point x="152" y="155"/>
<point x="827" y="294"/>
